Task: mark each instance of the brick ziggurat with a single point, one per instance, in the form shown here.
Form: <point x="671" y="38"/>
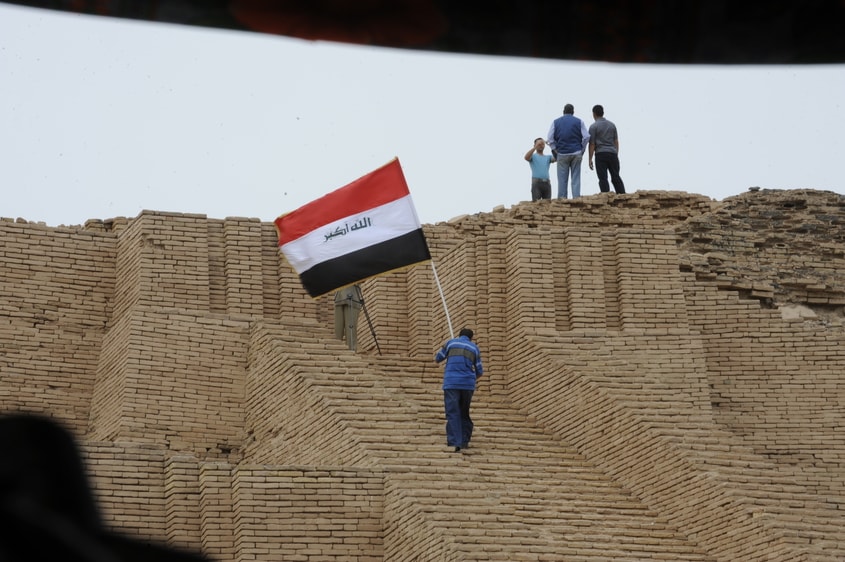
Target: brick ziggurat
<point x="648" y="397"/>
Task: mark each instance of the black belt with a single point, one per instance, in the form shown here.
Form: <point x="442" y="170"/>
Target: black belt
<point x="469" y="354"/>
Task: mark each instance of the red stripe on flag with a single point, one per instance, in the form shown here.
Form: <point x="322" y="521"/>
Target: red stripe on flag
<point x="379" y="187"/>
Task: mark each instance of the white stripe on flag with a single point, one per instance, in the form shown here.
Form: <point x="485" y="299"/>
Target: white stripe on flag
<point x="352" y="233"/>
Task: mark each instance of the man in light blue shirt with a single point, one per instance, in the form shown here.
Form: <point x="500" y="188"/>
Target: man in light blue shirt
<point x="541" y="185"/>
<point x="568" y="137"/>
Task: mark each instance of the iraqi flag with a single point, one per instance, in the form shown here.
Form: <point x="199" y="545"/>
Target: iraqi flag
<point x="363" y="229"/>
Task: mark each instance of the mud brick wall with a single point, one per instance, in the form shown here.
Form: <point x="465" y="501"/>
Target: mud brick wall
<point x="287" y="419"/>
<point x="128" y="482"/>
<point x="164" y="263"/>
<point x="640" y="333"/>
<point x="647" y="385"/>
<point x="109" y="393"/>
<point x="243" y="265"/>
<point x="383" y="323"/>
<point x="183" y="521"/>
<point x="217" y="511"/>
<point x="407" y="531"/>
<point x="579" y="404"/>
<point x="775" y="383"/>
<point x="406" y="308"/>
<point x="178" y="380"/>
<point x="783" y="245"/>
<point x="56" y="287"/>
<point x="174" y="367"/>
<point x="308" y="514"/>
<point x="191" y="263"/>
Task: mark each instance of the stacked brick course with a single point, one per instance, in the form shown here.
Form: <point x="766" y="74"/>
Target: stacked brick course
<point x="645" y="397"/>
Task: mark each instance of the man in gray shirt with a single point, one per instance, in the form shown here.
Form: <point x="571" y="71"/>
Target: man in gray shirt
<point x="604" y="144"/>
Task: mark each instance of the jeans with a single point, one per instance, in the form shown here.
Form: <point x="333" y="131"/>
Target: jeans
<point x="609" y="162"/>
<point x="569" y="164"/>
<point x="458" y="422"/>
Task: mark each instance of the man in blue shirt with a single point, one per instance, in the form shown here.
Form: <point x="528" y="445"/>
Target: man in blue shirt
<point x="568" y="137"/>
<point x="541" y="185"/>
<point x="463" y="368"/>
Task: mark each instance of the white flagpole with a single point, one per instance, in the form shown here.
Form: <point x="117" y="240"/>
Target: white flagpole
<point x="445" y="309"/>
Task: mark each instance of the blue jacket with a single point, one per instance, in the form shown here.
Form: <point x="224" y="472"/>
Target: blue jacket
<point x="463" y="364"/>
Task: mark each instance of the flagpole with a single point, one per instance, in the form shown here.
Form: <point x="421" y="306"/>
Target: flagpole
<point x="442" y="298"/>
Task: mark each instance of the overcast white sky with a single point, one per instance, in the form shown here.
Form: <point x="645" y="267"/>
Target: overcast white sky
<point x="101" y="118"/>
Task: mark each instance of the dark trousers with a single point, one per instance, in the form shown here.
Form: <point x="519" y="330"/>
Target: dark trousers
<point x="540" y="189"/>
<point x="458" y="422"/>
<point x="609" y="162"/>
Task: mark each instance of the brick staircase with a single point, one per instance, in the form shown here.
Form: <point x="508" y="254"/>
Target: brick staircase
<point x="518" y="493"/>
<point x="522" y="481"/>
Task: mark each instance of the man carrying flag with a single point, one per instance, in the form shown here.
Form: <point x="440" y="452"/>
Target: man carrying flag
<point x="463" y="369"/>
<point x="363" y="229"/>
<point x="367" y="228"/>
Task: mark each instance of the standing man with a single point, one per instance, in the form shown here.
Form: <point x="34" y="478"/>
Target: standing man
<point x="604" y="143"/>
<point x="347" y="304"/>
<point x="541" y="185"/>
<point x="568" y="137"/>
<point x="463" y="368"/>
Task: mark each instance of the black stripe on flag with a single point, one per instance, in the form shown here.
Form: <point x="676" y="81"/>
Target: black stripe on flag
<point x="356" y="266"/>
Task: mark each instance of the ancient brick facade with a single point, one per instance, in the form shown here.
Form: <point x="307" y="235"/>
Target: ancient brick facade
<point x="647" y="396"/>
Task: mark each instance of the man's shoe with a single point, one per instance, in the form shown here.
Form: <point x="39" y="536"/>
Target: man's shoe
<point x="457" y="450"/>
